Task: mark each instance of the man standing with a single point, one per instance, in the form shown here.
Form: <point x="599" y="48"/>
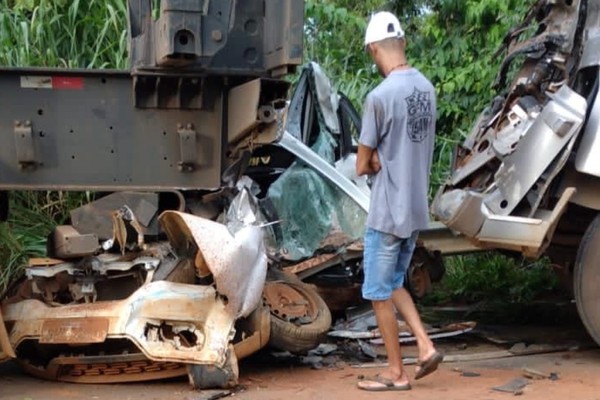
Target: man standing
<point x="396" y="148"/>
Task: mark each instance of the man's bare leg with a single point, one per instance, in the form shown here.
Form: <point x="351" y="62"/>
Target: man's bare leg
<point x="395" y="378"/>
<point x="388" y="326"/>
<point x="405" y="305"/>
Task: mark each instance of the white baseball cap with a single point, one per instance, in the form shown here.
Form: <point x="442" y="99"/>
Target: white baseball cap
<point x="383" y="25"/>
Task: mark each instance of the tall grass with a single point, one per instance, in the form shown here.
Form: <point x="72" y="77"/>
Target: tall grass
<point x="494" y="278"/>
<point x="53" y="33"/>
<point x="68" y="34"/>
<point x="33" y="215"/>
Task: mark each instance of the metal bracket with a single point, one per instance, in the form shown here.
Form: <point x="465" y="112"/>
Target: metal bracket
<point x="188" y="147"/>
<point x="24" y="145"/>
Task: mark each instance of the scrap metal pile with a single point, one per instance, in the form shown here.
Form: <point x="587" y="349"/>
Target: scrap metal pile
<point x="133" y="290"/>
<point x="175" y="268"/>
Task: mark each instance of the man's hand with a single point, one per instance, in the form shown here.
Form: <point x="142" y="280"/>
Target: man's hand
<point x="374" y="163"/>
<point x="367" y="161"/>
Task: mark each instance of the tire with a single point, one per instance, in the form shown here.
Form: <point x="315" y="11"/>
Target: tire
<point x="297" y="335"/>
<point x="212" y="377"/>
<point x="586" y="280"/>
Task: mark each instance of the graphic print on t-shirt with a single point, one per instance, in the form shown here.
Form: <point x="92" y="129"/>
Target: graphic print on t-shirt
<point x="419" y="115"/>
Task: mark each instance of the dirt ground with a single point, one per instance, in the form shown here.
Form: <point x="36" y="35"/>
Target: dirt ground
<point x="578" y="375"/>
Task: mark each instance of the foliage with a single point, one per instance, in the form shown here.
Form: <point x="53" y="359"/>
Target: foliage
<point x="33" y="215"/>
<point x="493" y="277"/>
<point x="334" y="39"/>
<point x="455" y="48"/>
<point x="68" y="34"/>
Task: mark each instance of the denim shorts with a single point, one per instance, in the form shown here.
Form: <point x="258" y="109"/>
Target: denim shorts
<point x="386" y="260"/>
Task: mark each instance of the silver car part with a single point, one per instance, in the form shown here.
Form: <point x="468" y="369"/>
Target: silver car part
<point x="587" y="160"/>
<point x="501" y="193"/>
<point x="530" y="236"/>
<point x="328" y="99"/>
<point x="326" y="170"/>
<point x="237" y="262"/>
<point x="561" y="118"/>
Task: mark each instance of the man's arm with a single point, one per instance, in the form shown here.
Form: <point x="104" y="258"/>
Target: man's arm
<point x="367" y="161"/>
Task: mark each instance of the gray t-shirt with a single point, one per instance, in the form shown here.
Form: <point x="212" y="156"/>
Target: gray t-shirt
<point x="399" y="121"/>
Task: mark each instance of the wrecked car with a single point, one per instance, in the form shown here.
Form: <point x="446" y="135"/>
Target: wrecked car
<point x="525" y="180"/>
<point x="186" y="261"/>
<point x="169" y="271"/>
<point x="225" y="218"/>
<point x="146" y="286"/>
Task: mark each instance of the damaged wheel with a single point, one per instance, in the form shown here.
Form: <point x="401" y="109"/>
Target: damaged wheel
<point x="300" y="318"/>
<point x="586" y="280"/>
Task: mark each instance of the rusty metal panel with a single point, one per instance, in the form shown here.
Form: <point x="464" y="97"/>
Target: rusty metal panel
<point x="74" y="331"/>
<point x="87" y="134"/>
<point x="110" y="369"/>
<point x="6" y="350"/>
<point x="167" y="321"/>
<point x="244" y="98"/>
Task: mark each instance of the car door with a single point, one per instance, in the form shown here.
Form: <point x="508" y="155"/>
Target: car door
<point x="316" y="105"/>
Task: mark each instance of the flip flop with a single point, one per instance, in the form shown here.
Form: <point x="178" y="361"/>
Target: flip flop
<point x="426" y="367"/>
<point x="382" y="384"/>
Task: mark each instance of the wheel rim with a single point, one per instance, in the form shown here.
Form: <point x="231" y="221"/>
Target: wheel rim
<point x="289" y="303"/>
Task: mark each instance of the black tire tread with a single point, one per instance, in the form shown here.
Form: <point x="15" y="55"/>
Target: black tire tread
<point x="590" y="239"/>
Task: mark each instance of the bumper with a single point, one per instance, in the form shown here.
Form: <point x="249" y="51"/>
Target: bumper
<point x="166" y="321"/>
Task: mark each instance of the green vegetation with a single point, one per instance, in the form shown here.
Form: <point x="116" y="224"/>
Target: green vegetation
<point x="32" y="217"/>
<point x="451" y="41"/>
<point x="491" y="277"/>
<point x="67" y="34"/>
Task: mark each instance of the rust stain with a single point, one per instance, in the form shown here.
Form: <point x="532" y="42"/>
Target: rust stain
<point x="201" y="266"/>
<point x="309" y="264"/>
<point x="44" y="262"/>
<point x="6" y="349"/>
<point x="74" y="330"/>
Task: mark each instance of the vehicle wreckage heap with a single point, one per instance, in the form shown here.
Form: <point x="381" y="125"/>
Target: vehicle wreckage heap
<point x="214" y="195"/>
<point x="167" y="272"/>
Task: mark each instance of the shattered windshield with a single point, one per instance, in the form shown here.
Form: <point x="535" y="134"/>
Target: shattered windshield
<point x="314" y="213"/>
